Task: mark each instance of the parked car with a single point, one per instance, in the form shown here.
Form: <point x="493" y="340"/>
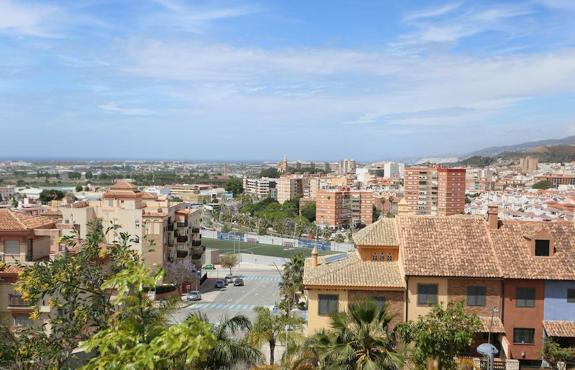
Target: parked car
<point x="229" y="278"/>
<point x="208" y="266"/>
<point x="194" y="295"/>
<point x="238" y="281"/>
<point x="220" y="284"/>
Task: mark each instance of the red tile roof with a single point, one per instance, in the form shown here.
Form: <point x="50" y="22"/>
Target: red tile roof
<point x="446" y="246"/>
<point x="17" y="221"/>
<point x="559" y="328"/>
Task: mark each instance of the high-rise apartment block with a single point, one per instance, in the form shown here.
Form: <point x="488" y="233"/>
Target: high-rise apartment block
<point x="261" y="188"/>
<point x="289" y="187"/>
<point x="435" y="190"/>
<point x="346" y="166"/>
<point x="528" y="164"/>
<point x="344" y="207"/>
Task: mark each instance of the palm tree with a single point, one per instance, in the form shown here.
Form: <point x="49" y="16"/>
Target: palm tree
<point x="359" y="339"/>
<point x="229" y="349"/>
<point x="269" y="328"/>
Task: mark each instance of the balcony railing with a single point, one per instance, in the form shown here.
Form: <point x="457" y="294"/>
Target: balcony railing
<point x="181" y="254"/>
<point x="182" y="239"/>
<point x="196" y="243"/>
<point x="182" y="224"/>
<point x="195" y="230"/>
<point x="15" y="300"/>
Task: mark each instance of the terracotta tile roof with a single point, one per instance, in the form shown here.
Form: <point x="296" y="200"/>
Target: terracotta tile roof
<point x="446" y="246"/>
<point x="516" y="257"/>
<point x="353" y="272"/>
<point x="380" y="233"/>
<point x="497" y="326"/>
<point x="10" y="269"/>
<point x="146" y="195"/>
<point x="559" y="328"/>
<point x="123" y="185"/>
<point x="17" y="221"/>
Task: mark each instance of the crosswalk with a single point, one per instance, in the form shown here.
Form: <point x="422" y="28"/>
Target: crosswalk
<point x="263" y="278"/>
<point x="225" y="306"/>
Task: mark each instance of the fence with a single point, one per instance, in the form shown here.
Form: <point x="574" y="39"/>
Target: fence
<point x="275" y="240"/>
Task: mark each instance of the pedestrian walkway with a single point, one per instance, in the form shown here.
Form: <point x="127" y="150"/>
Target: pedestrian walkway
<point x="226" y="306"/>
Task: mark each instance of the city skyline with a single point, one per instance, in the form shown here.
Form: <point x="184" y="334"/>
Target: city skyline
<point x="255" y="80"/>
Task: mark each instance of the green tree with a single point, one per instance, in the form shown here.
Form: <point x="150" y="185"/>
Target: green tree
<point x="269" y="328"/>
<point x="74" y="175"/>
<point x="339" y="238"/>
<point x="375" y="213"/>
<point x="234" y="185"/>
<point x="271" y="172"/>
<point x="138" y="335"/>
<point x="79" y="188"/>
<point x="229" y="261"/>
<point x="441" y="334"/>
<point x="542" y="185"/>
<point x="308" y="210"/>
<point x="231" y="347"/>
<point x="360" y="338"/>
<point x="48" y="195"/>
<point x="291" y="284"/>
<point x="554" y="354"/>
<point x="89" y="175"/>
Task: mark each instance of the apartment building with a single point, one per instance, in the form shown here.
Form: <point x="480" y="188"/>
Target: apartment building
<point x="162" y="231"/>
<point x="24" y="239"/>
<point x="450" y="191"/>
<point x="518" y="272"/>
<point x="528" y="165"/>
<point x="557" y="180"/>
<point x="6" y="193"/>
<point x="289" y="187"/>
<point x="260" y="188"/>
<point x="346" y="167"/>
<point x="435" y="190"/>
<point x="343" y="207"/>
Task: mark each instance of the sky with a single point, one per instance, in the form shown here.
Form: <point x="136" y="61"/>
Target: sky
<point x="251" y="80"/>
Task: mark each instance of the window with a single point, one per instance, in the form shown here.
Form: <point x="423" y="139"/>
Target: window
<point x="476" y="296"/>
<point x="22" y="321"/>
<point x="426" y="294"/>
<point x="523" y="336"/>
<point x="374" y="257"/>
<point x="571" y="295"/>
<point x="327" y="304"/>
<point x="525" y="297"/>
<point x="11" y="247"/>
<point x="542" y="248"/>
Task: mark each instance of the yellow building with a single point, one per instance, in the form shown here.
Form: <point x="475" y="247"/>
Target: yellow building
<point x="371" y="271"/>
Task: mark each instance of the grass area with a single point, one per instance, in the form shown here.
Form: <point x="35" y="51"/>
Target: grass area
<point x="227" y="246"/>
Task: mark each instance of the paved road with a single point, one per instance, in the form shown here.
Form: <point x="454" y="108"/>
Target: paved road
<point x="260" y="289"/>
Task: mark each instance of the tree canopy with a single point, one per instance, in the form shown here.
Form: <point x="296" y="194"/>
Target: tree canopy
<point x="234" y="185"/>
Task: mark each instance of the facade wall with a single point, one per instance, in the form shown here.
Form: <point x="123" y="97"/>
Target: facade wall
<point x="450" y="191"/>
<point x="413" y="309"/>
<point x="556" y="305"/>
<point x="366" y="253"/>
<point x="457" y="292"/>
<point x="395" y="301"/>
<point x="22" y="239"/>
<point x="315" y="321"/>
<point x="524" y="317"/>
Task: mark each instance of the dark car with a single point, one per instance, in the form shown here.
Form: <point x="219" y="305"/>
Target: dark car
<point x="238" y="281"/>
<point x="229" y="278"/>
<point x="220" y="284"/>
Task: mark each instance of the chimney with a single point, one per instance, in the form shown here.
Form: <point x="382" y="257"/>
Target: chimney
<point x="314" y="257"/>
<point x="402" y="207"/>
<point x="492" y="216"/>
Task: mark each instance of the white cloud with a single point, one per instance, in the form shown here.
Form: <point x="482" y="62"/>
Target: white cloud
<point x="433" y="12"/>
<point x="115" y="108"/>
<point x="558" y="4"/>
<point x="27" y="18"/>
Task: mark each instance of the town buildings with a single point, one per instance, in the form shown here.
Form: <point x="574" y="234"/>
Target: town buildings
<point x="346" y="166"/>
<point x="435" y="190"/>
<point x="260" y="188"/>
<point x="162" y="231"/>
<point x="528" y="165"/>
<point x="521" y="273"/>
<point x="290" y="187"/>
<point x="24" y="240"/>
<point x="344" y="207"/>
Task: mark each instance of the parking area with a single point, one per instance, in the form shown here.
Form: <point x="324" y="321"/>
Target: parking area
<point x="260" y="289"/>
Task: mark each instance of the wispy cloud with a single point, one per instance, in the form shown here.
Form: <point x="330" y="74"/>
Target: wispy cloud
<point x="432" y="12"/>
<point x="117" y="109"/>
<point x="27" y="18"/>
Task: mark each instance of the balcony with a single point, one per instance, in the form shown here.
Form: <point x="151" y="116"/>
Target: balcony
<point x="195" y="230"/>
<point x="16" y="301"/>
<point x="181" y="254"/>
<point x="182" y="224"/>
<point x="196" y="243"/>
<point x="198" y="252"/>
<point x="182" y="238"/>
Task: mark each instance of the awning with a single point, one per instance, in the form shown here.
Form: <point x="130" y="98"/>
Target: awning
<point x="559" y="328"/>
<point x="497" y="326"/>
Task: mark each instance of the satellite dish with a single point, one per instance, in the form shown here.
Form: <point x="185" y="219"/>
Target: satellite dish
<point x="487" y="349"/>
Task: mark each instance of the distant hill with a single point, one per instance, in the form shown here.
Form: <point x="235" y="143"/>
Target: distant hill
<point x="529" y="147"/>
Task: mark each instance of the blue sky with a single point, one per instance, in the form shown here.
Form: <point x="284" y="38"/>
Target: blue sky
<point x="259" y="79"/>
